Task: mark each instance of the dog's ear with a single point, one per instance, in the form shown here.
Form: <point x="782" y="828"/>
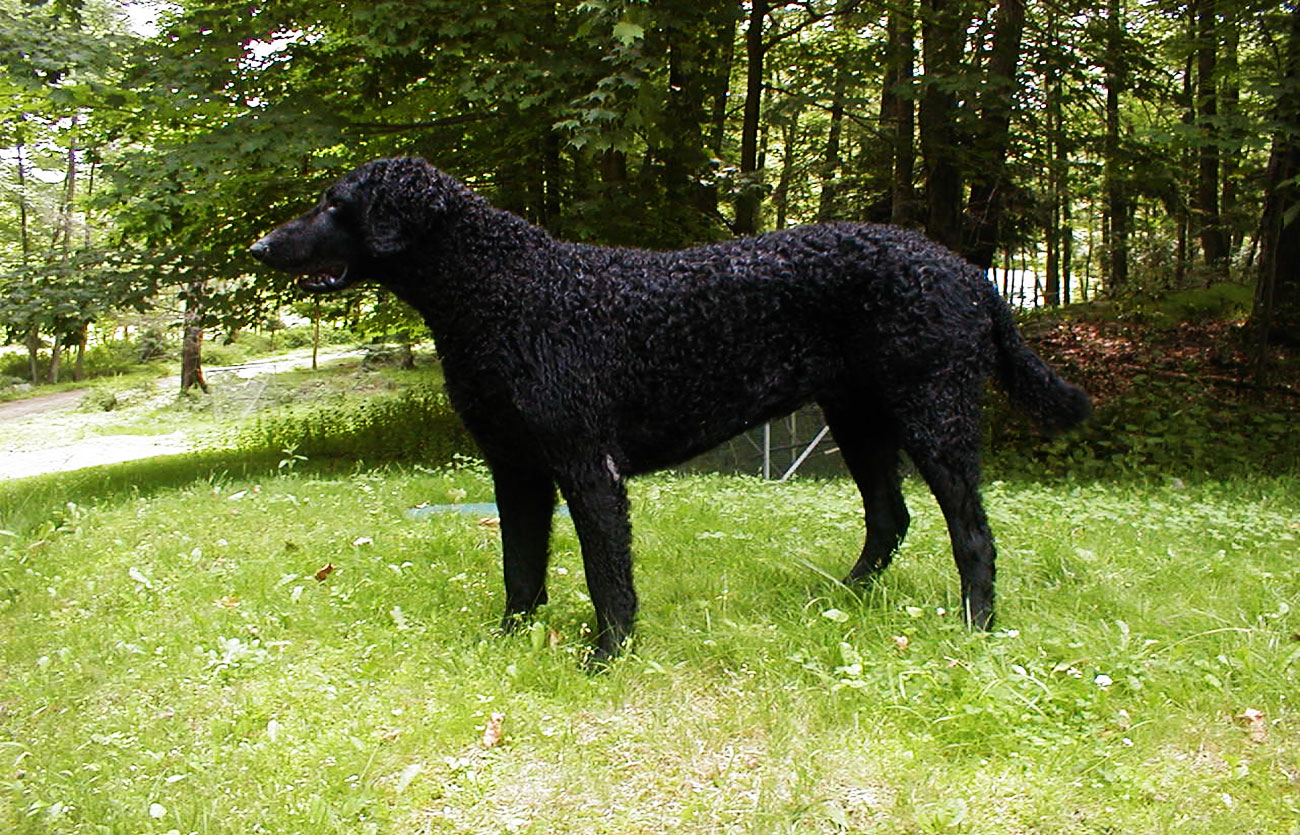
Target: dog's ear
<point x="404" y="199"/>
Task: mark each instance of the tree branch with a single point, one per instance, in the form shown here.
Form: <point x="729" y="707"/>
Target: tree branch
<point x="401" y="127"/>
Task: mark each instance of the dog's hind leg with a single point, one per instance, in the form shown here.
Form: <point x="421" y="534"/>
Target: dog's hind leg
<point x="942" y="439"/>
<point x="869" y="446"/>
<point x="598" y="503"/>
<point x="526" y="502"/>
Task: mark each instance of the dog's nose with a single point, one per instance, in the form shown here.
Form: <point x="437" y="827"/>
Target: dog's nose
<point x="260" y="249"/>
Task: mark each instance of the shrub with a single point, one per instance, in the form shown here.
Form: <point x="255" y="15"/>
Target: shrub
<point x="15" y="365"/>
<point x="300" y="336"/>
<point x="108" y="359"/>
<point x="217" y="355"/>
<point x="154" y="344"/>
<point x="418" y="425"/>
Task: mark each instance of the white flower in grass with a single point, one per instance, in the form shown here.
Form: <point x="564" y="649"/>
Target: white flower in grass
<point x="1103" y="681"/>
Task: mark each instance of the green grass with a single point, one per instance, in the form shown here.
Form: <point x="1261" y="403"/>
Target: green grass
<point x="172" y="664"/>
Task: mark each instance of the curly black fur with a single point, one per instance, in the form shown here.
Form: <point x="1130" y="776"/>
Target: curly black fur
<point x="578" y="366"/>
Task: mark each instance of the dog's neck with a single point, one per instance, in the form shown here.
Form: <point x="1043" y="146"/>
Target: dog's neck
<point x="466" y="277"/>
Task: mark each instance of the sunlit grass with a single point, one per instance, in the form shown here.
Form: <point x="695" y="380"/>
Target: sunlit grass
<point x="171" y="662"/>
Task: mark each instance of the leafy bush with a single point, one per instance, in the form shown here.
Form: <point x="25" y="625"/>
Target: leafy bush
<point x="418" y="425"/>
<point x="14" y="365"/>
<point x="300" y="336"/>
<point x="109" y="359"/>
<point x="218" y="355"/>
<point x="154" y="344"/>
<point x="1171" y="427"/>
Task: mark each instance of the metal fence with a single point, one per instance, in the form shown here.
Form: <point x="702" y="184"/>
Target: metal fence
<point x="799" y="443"/>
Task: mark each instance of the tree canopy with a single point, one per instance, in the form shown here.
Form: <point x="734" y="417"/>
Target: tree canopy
<point x="1103" y="150"/>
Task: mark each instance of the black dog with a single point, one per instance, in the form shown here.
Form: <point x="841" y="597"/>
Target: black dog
<point x="579" y="366"/>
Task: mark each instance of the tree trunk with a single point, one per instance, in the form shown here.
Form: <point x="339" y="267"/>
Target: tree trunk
<point x="1276" y="315"/>
<point x="781" y="195"/>
<point x="1056" y="287"/>
<point x="33" y="343"/>
<point x="1233" y="135"/>
<point x="988" y="191"/>
<point x="56" y="360"/>
<point x="24" y="232"/>
<point x="826" y="203"/>
<point x="941" y="34"/>
<point x="683" y="152"/>
<point x="613" y="167"/>
<point x="719" y="82"/>
<point x="192" y="339"/>
<point x="897" y="111"/>
<point x="79" y="368"/>
<point x="1213" y="242"/>
<point x="1114" y="168"/>
<point x="63" y="230"/>
<point x="749" y="199"/>
<point x="1180" y="202"/>
<point x="1066" y="232"/>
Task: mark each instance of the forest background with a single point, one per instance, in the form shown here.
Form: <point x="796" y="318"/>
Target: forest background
<point x="1116" y="151"/>
<point x="268" y="633"/>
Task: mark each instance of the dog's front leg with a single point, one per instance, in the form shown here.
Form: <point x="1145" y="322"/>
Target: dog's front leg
<point x="598" y="503"/>
<point x="526" y="502"/>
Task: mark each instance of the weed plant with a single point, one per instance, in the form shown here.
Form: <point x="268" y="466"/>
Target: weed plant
<point x="416" y="425"/>
<point x="1172" y="428"/>
<point x="173" y="663"/>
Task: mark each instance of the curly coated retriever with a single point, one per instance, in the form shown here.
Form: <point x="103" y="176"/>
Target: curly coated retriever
<point x="578" y="366"/>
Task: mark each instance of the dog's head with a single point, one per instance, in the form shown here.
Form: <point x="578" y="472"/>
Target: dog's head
<point x="377" y="212"/>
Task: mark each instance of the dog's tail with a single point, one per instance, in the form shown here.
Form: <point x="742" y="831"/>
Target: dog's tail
<point x="1050" y="401"/>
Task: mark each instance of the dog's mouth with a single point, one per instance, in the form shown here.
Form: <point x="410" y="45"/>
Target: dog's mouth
<point x="326" y="281"/>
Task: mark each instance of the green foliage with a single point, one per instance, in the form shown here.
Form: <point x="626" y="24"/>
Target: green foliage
<point x="1158" y="428"/>
<point x="416" y="425"/>
<point x="107" y="359"/>
<point x="302" y="336"/>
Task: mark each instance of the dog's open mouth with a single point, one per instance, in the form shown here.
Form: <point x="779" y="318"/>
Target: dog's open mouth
<point x="326" y="281"/>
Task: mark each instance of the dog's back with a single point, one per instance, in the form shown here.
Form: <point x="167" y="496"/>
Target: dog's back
<point x="679" y="351"/>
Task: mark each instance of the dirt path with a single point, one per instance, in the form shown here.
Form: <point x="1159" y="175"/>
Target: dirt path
<point x="23" y="459"/>
<point x="91" y="452"/>
<point x="15" y="409"/>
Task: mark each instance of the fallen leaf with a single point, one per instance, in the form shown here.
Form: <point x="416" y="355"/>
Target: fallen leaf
<point x="138" y="575"/>
<point x="1256" y="724"/>
<point x="901" y="642"/>
<point x="553" y="639"/>
<point x="228" y="602"/>
<point x="363" y="540"/>
<point x="325" y="571"/>
<point x="408" y="774"/>
<point x="490" y="522"/>
<point x="492" y="732"/>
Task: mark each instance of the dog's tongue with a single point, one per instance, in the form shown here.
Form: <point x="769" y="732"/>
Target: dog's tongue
<point x="325" y="282"/>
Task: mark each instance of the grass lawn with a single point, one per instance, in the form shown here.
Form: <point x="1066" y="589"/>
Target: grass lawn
<point x="171" y="663"/>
